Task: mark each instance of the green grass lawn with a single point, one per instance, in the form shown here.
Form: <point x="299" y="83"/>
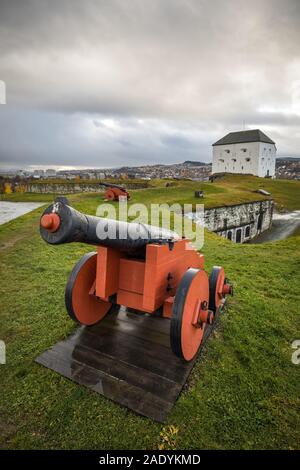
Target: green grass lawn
<point x="232" y="189"/>
<point x="243" y="393"/>
<point x="286" y="193"/>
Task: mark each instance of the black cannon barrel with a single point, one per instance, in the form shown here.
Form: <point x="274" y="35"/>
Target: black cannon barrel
<point x="61" y="223"/>
<point x="112" y="185"/>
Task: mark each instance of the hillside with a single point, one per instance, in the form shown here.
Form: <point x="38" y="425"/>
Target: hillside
<point x="231" y="189"/>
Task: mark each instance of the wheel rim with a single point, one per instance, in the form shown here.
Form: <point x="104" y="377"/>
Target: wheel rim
<point x="109" y="195"/>
<point x="216" y="284"/>
<point x="83" y="307"/>
<point x="192" y="291"/>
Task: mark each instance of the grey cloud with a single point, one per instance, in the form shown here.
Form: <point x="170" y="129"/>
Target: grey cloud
<point x="178" y="140"/>
<point x="73" y="140"/>
<point x="34" y="137"/>
<point x="197" y="69"/>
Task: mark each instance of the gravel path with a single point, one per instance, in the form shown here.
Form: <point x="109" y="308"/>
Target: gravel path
<point x="283" y="226"/>
<point x="12" y="210"/>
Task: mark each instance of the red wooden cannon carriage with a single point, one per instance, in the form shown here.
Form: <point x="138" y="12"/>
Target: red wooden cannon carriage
<point x="156" y="273"/>
<point x="113" y="192"/>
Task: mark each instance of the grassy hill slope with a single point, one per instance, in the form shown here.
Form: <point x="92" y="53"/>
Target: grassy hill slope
<point x="242" y="393"/>
<point x="231" y="189"/>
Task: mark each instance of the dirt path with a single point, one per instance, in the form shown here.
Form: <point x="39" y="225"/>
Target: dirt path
<point x="12" y="210"/>
<point x="283" y="226"/>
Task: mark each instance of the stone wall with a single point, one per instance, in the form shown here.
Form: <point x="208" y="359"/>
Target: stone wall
<point x="242" y="222"/>
<point x="74" y="187"/>
<point x="61" y="188"/>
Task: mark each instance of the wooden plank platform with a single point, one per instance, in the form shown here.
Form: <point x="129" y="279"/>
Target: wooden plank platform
<point x="127" y="358"/>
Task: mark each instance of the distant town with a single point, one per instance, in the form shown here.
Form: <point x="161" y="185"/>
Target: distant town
<point x="192" y="170"/>
<point x="286" y="168"/>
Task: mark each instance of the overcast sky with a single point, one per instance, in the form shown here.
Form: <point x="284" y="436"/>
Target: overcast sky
<point x="103" y="83"/>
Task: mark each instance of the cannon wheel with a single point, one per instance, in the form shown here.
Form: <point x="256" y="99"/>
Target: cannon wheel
<point x="216" y="284"/>
<point x="83" y="307"/>
<point x="110" y="195"/>
<point x="191" y="292"/>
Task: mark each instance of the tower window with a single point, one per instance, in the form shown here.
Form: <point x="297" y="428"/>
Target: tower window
<point x="248" y="159"/>
<point x="244" y="150"/>
<point x="227" y="151"/>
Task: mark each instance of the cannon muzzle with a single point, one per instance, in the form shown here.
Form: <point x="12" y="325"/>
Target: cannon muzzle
<point x="61" y="223"/>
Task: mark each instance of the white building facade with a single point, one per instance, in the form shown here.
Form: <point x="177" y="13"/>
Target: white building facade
<point x="246" y="152"/>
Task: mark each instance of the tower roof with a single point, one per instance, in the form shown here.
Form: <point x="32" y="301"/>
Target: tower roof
<point x="253" y="135"/>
